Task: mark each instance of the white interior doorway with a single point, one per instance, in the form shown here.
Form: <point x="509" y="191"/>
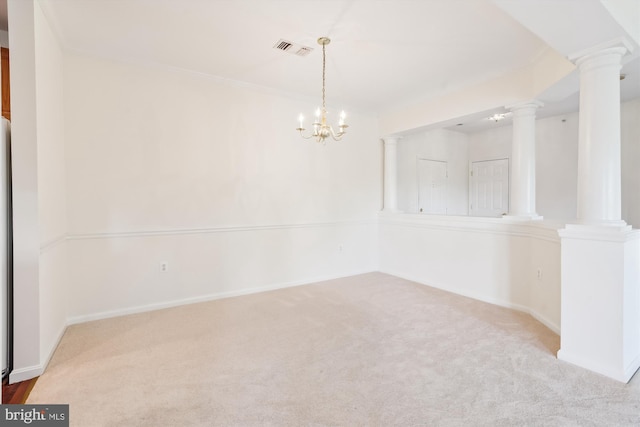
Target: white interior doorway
<point x="489" y="188"/>
<point x="432" y="186"/>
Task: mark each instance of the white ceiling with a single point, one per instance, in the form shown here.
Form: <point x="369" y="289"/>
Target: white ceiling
<point x="384" y="53"/>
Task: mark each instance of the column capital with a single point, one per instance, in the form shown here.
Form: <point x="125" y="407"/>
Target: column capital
<point x="391" y="139"/>
<point x="533" y="104"/>
<point x="620" y="46"/>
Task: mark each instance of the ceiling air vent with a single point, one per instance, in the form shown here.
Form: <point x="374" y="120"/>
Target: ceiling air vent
<point x="291" y="47"/>
<point x="303" y="51"/>
<point x="283" y="45"/>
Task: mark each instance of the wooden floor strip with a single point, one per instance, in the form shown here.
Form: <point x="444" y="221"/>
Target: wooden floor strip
<point x="16" y="394"/>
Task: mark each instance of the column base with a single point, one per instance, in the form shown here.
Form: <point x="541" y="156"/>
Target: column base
<point x="524" y="217"/>
<point x="595" y="229"/>
<point x="600" y="299"/>
<point x="617" y="223"/>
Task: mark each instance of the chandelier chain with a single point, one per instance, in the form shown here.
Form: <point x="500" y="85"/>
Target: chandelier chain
<point x="323" y="75"/>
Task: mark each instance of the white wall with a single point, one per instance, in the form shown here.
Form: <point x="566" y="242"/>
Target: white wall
<point x="557" y="167"/>
<point x="442" y="145"/>
<point x="490" y="144"/>
<point x="39" y="200"/>
<point x="52" y="198"/>
<point x="210" y="177"/>
<point x="630" y="152"/>
<point x="490" y="259"/>
<point x="26" y="243"/>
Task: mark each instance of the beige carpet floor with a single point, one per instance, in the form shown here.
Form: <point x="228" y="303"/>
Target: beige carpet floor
<point x="368" y="350"/>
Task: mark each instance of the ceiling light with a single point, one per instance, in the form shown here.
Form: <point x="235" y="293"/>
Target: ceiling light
<point x="498" y="116"/>
<point x="322" y="130"/>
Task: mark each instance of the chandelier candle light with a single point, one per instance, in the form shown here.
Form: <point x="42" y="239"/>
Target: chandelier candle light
<point x="322" y="130"/>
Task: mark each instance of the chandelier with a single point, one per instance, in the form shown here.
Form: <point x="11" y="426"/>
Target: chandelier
<point x="322" y="130"/>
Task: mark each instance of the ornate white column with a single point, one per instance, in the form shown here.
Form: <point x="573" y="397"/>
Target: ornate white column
<point x="390" y="174"/>
<point x="599" y="190"/>
<point x="522" y="191"/>
<point x="600" y="273"/>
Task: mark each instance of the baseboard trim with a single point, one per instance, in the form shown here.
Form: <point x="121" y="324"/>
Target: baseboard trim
<point x="23" y="374"/>
<point x="54" y="347"/>
<point x="210" y="297"/>
<point x="632" y="368"/>
<point x="623" y="374"/>
<point x="495" y="301"/>
<point x="542" y="319"/>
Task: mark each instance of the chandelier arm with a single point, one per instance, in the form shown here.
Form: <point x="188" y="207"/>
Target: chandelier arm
<point x="301" y="130"/>
<point x="335" y="136"/>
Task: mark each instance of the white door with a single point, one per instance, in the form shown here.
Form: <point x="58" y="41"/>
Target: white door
<point x="432" y="186"/>
<point x="489" y="188"/>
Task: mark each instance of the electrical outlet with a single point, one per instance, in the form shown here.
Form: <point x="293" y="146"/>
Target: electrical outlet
<point x="539" y="274"/>
<point x="164" y="266"/>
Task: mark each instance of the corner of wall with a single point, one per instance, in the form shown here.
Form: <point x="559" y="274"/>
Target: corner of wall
<point x="4" y="38"/>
